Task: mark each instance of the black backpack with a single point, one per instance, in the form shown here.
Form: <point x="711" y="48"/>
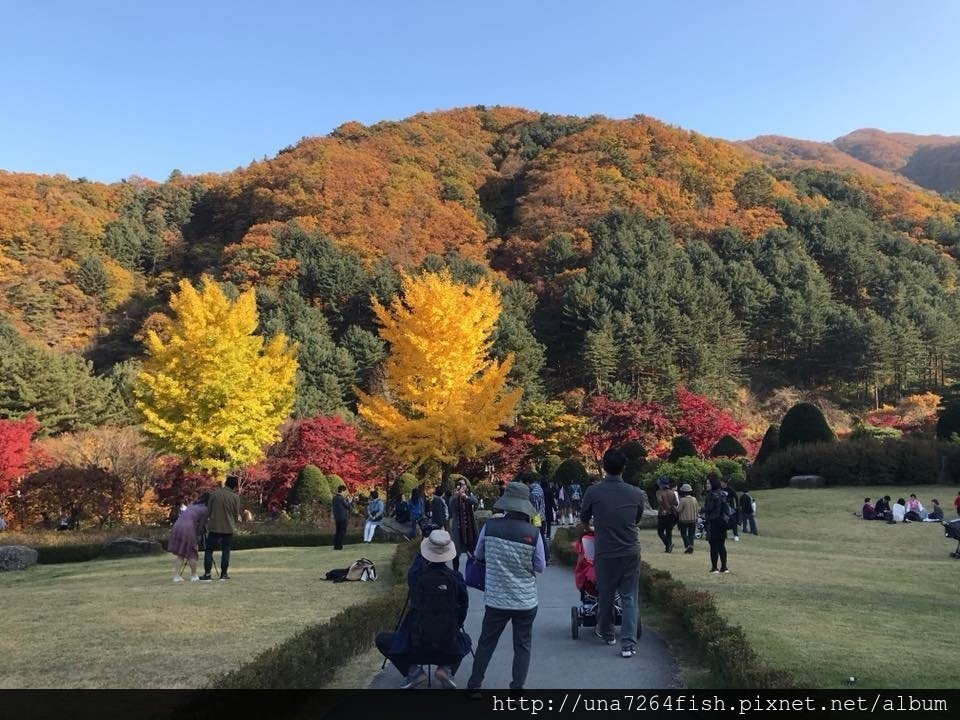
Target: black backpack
<point x="402" y="512"/>
<point x="435" y="620"/>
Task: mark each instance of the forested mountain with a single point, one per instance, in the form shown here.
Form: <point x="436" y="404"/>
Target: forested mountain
<point x="632" y="256"/>
<point x="930" y="161"/>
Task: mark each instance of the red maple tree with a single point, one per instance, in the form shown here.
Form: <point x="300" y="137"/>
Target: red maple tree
<point x="614" y="422"/>
<point x="333" y="445"/>
<point x="15" y="451"/>
<point x="702" y="422"/>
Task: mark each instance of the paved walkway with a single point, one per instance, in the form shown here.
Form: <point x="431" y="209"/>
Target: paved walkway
<point x="559" y="661"/>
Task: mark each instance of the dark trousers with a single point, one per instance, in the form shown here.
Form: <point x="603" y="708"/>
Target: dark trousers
<point x="339" y="534"/>
<point x="717" y="535"/>
<point x="619" y="575"/>
<point x="494" y="621"/>
<point x="665" y="525"/>
<point x="752" y="522"/>
<point x="687" y="534"/>
<point x="403" y="661"/>
<point x="221" y="541"/>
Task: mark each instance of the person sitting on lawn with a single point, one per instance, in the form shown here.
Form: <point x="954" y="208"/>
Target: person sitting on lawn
<point x="915" y="511"/>
<point x="184" y="535"/>
<point x="936" y="513"/>
<point x="899" y="511"/>
<point x="882" y="509"/>
<point x="432" y="630"/>
<point x="868" y="512"/>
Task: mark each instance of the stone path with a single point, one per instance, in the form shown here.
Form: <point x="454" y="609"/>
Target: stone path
<point x="558" y="661"/>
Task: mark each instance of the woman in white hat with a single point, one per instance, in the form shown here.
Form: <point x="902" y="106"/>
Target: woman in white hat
<point x="432" y="630"/>
<point x="512" y="549"/>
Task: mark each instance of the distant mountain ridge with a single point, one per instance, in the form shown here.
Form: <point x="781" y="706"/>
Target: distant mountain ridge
<point x="930" y="161"/>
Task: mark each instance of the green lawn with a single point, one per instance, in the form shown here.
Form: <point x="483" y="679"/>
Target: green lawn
<point x="124" y="624"/>
<point x="826" y="595"/>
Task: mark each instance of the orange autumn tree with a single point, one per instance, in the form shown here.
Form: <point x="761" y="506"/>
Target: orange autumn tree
<point x="443" y="397"/>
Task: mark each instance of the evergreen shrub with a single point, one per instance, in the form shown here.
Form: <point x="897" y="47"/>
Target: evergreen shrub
<point x="804" y="423"/>
<point x="728" y="446"/>
<point x="682" y="447"/>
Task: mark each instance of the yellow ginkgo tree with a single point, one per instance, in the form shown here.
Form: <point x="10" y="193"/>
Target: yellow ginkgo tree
<point x="443" y="396"/>
<point x="210" y="389"/>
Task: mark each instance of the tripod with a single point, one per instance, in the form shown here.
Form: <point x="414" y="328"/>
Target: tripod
<point x="396" y="627"/>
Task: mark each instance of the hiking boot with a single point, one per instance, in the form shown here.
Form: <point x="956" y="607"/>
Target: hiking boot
<point x="611" y="641"/>
<point x="444" y="676"/>
<point x="628" y="652"/>
<point x="415" y="678"/>
<point x="206" y="578"/>
<point x="224" y="577"/>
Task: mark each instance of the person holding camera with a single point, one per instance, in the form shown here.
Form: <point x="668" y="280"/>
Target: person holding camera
<point x="463" y="522"/>
<point x="341" y="514"/>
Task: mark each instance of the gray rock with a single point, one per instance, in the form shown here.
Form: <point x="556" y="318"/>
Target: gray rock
<point x="16" y="557"/>
<point x="807" y="481"/>
<point x="123" y="546"/>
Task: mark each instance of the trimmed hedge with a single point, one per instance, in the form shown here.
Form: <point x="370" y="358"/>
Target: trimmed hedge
<point x="59" y="554"/>
<point x="728" y="446"/>
<point x="770" y="444"/>
<point x="725" y="646"/>
<point x="681" y="448"/>
<point x="948" y="424"/>
<point x="804" y="423"/>
<point x="908" y="461"/>
<point x="307" y="660"/>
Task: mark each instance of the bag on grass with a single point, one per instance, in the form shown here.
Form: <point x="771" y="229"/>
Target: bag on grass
<point x="362" y="570"/>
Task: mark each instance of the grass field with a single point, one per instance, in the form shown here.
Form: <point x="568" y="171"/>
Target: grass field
<point x="825" y="595"/>
<point x="124" y="624"/>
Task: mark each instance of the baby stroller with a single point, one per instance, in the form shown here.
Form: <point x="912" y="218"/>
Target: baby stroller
<point x="951" y="530"/>
<point x="701" y="529"/>
<point x="585" y="576"/>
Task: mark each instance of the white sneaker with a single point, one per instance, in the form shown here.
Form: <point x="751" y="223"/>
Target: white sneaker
<point x="177" y="578"/>
<point x="194" y="578"/>
<point x="736" y="538"/>
<point x="628" y="652"/>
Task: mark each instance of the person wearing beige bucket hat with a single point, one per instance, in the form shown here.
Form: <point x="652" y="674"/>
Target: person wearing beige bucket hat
<point x="687" y="517"/>
<point x="512" y="549"/>
<point x="431" y="632"/>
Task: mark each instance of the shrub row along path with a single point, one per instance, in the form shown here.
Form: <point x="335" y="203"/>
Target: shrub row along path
<point x="557" y="660"/>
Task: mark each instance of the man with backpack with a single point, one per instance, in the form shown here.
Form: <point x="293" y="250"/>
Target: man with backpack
<point x="719" y="515"/>
<point x="747" y="513"/>
<point x="431" y="632"/>
<point x="512" y="549"/>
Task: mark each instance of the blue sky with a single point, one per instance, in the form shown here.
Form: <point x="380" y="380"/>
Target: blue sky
<point x="111" y="89"/>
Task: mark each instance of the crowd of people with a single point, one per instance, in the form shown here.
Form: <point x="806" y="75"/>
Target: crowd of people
<point x="903" y="510"/>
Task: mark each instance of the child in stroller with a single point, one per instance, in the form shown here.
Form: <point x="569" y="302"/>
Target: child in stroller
<point x="585" y="577"/>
